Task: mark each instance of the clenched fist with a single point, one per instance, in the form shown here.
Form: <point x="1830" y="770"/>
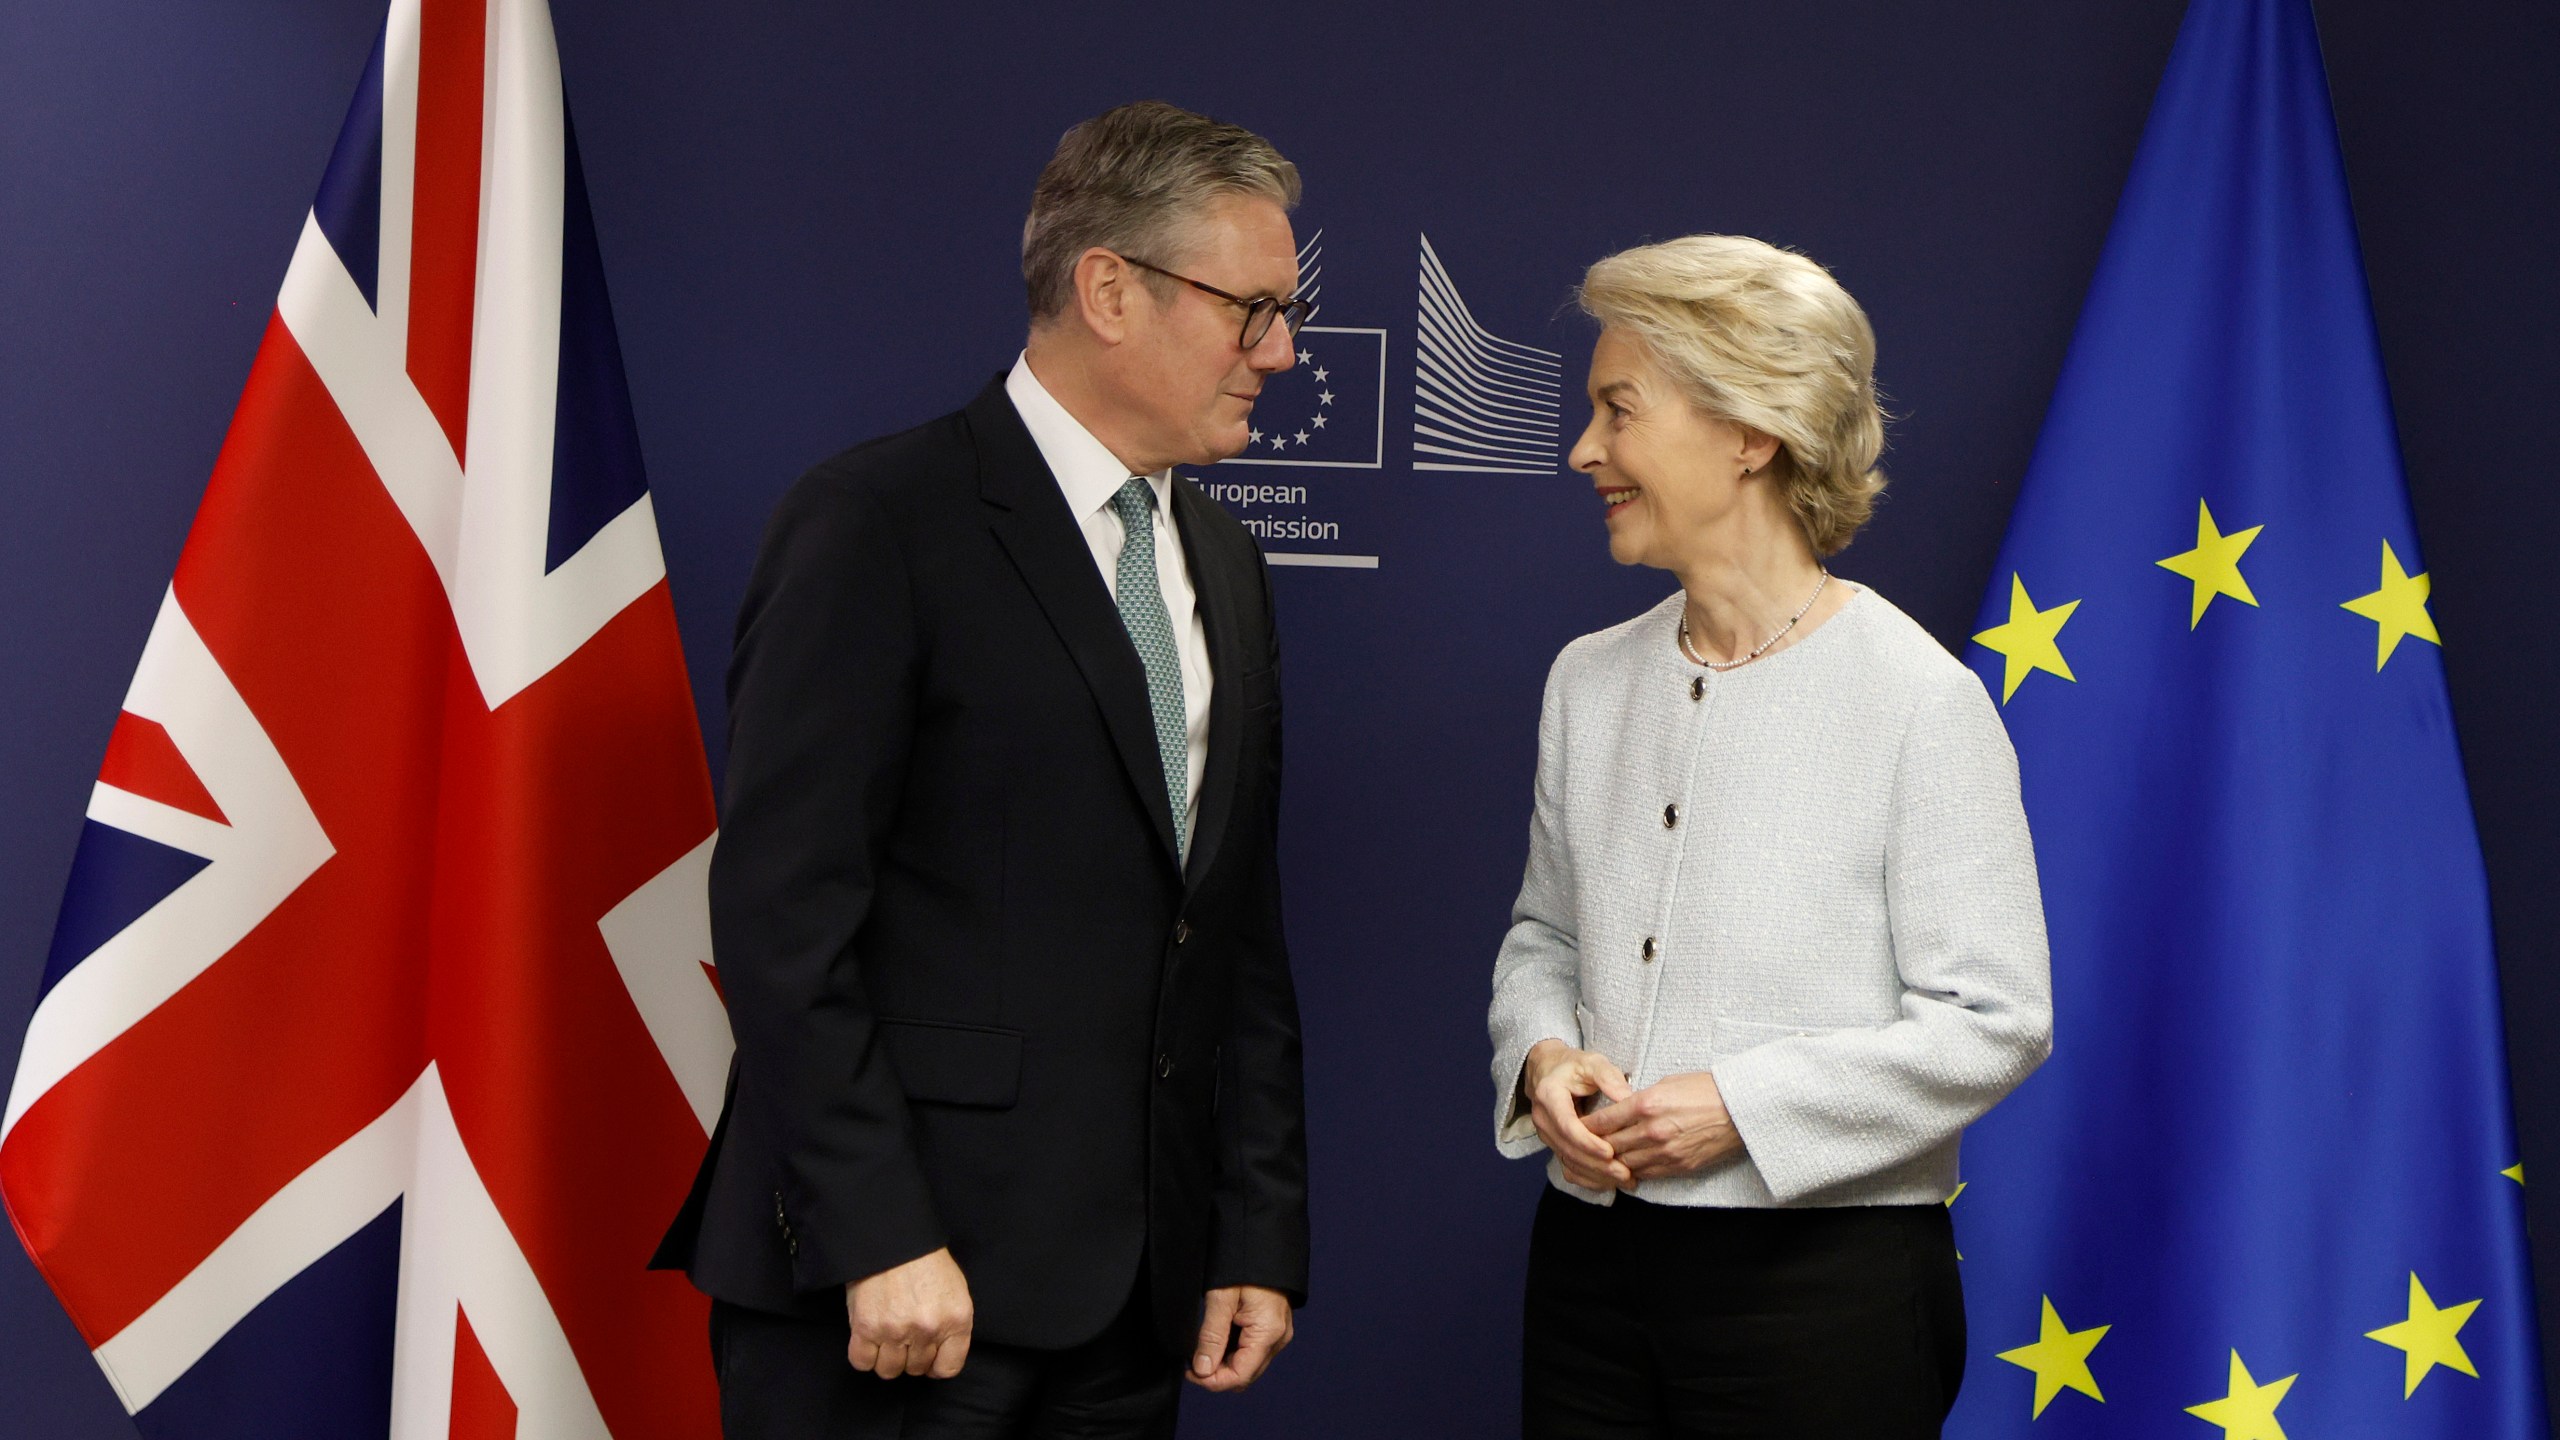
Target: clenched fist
<point x="911" y="1319"/>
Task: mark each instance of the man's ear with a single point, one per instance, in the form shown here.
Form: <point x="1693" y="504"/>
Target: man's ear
<point x="1106" y="288"/>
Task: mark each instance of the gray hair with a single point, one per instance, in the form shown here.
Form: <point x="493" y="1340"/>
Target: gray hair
<point x="1762" y="337"/>
<point x="1133" y="180"/>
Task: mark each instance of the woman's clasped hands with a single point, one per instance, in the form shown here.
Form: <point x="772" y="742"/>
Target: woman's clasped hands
<point x="1676" y="1126"/>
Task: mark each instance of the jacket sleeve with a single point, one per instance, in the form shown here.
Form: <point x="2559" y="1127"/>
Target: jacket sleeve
<point x="822" y="706"/>
<point x="1967" y="923"/>
<point x="1261" y="1223"/>
<point x="1537" y="979"/>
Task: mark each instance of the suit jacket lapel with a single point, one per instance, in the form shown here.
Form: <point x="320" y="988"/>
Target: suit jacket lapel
<point x="1041" y="536"/>
<point x="1213" y="584"/>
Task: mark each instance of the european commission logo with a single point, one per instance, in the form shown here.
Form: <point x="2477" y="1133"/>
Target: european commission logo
<point x="1329" y="411"/>
<point x="1481" y="404"/>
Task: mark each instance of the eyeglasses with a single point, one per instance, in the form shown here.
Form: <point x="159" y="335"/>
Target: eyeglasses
<point x="1257" y="312"/>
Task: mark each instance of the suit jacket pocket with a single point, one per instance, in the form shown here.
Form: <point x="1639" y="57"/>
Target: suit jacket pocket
<point x="952" y="1064"/>
<point x="1733" y="1037"/>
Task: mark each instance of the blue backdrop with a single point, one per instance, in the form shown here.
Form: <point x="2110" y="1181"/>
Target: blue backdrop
<point x="808" y="214"/>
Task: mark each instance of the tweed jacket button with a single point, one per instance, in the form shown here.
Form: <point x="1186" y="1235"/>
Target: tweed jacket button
<point x="1698" y="688"/>
<point x="1648" y="949"/>
<point x="1670" y="816"/>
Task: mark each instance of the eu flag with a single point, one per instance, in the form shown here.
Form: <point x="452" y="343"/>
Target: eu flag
<point x="2267" y="1184"/>
<point x="1325" y="411"/>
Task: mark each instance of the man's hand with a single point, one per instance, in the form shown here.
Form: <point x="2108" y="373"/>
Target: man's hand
<point x="912" y="1319"/>
<point x="1557" y="1078"/>
<point x="1674" y="1126"/>
<point x="1256" y="1321"/>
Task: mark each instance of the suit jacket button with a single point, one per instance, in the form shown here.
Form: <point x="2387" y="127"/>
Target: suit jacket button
<point x="1648" y="949"/>
<point x="1164" y="1067"/>
<point x="1181" y="931"/>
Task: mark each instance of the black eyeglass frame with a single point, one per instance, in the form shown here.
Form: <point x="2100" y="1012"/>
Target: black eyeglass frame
<point x="1258" y="312"/>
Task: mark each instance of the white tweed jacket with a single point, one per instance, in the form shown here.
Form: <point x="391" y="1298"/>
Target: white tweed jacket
<point x="1810" y="876"/>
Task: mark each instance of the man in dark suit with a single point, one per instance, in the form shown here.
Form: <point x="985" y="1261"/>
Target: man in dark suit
<point x="1015" y="1134"/>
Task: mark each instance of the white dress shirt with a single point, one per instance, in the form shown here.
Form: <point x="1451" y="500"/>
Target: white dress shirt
<point x="1090" y="475"/>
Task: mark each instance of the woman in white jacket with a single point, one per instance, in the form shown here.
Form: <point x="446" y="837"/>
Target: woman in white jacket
<point x="1779" y="940"/>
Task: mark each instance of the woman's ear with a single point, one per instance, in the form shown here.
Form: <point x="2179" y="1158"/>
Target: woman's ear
<point x="1758" y="449"/>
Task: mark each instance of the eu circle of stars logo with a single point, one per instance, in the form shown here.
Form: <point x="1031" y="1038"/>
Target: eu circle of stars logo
<point x="1326" y="409"/>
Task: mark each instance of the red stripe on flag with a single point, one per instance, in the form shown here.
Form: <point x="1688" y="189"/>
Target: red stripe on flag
<point x="482" y="1409"/>
<point x="444" y="254"/>
<point x="577" y="1126"/>
<point x="143" y="760"/>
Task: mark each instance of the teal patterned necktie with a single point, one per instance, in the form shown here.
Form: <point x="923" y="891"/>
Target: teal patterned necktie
<point x="1151" y="630"/>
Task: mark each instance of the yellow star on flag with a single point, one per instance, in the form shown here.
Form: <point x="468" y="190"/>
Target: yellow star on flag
<point x="2430" y="1337"/>
<point x="2514" y="1172"/>
<point x="2248" y="1412"/>
<point x="2027" y="639"/>
<point x="2399" y="607"/>
<point x="2059" y="1358"/>
<point x="2214" y="565"/>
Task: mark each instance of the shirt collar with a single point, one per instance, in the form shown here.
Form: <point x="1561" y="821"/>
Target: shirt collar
<point x="1086" y="469"/>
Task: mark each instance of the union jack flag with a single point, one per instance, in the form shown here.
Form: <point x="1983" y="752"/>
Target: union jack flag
<point x="378" y="1037"/>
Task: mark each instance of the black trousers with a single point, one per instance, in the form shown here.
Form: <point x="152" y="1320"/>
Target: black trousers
<point x="783" y="1378"/>
<point x="1659" y="1320"/>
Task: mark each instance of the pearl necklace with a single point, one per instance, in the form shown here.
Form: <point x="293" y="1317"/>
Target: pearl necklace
<point x="1723" y="665"/>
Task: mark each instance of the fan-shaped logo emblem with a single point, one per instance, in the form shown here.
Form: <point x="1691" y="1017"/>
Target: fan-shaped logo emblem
<point x="1480" y="402"/>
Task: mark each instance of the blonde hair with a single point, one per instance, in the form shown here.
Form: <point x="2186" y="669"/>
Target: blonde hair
<point x="1764" y="338"/>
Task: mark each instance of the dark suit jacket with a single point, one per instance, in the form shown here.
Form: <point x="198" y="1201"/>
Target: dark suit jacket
<point x="977" y="1001"/>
